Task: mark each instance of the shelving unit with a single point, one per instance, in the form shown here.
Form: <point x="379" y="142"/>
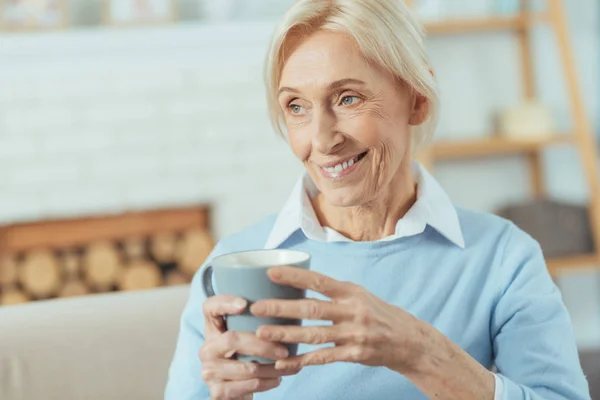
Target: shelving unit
<point x="556" y="265"/>
<point x="492" y="145"/>
<point x="462" y="26"/>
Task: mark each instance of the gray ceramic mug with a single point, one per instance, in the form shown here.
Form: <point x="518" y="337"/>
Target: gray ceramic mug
<point x="244" y="274"/>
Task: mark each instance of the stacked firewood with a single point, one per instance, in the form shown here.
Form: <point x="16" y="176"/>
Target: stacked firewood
<point x="122" y="264"/>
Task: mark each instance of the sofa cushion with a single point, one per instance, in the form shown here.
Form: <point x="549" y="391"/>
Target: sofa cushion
<point x="99" y="347"/>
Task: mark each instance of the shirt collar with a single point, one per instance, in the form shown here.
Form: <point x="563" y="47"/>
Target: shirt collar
<point x="433" y="207"/>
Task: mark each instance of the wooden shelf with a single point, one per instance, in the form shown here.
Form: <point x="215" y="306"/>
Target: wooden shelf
<point x="77" y="232"/>
<point x="468" y="25"/>
<point x="492" y="146"/>
<point x="577" y="261"/>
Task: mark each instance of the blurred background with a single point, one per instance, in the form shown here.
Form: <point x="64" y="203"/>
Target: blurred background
<point x="134" y="134"/>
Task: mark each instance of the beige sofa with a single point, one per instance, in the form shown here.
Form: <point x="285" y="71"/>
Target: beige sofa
<point x="99" y="347"/>
<point x="106" y="347"/>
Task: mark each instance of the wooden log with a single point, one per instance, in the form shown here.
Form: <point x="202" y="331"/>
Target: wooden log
<point x="134" y="248"/>
<point x="71" y="264"/>
<point x="40" y="274"/>
<point x="101" y="265"/>
<point x="140" y="275"/>
<point x="193" y="249"/>
<point x="8" y="270"/>
<point x="176" y="277"/>
<point x="74" y="288"/>
<point x="11" y="295"/>
<point x="163" y="247"/>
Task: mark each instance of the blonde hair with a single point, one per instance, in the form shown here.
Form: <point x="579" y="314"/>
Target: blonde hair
<point x="385" y="31"/>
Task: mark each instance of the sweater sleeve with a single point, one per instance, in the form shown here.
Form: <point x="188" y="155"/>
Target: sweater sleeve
<point x="534" y="344"/>
<point x="184" y="379"/>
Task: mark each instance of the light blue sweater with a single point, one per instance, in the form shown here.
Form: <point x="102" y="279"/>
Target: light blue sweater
<point x="494" y="298"/>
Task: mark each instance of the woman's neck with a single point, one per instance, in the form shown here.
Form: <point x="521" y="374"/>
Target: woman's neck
<point x="374" y="220"/>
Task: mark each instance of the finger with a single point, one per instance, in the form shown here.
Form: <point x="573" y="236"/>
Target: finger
<point x="215" y="307"/>
<point x="310" y="280"/>
<point x="312" y="309"/>
<point x="246" y="343"/>
<point x="236" y="389"/>
<point x="223" y="305"/>
<point x="301" y="334"/>
<point x="238" y="371"/>
<point x="318" y="357"/>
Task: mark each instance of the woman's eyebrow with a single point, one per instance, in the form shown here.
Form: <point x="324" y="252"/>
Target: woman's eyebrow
<point x="287" y="89"/>
<point x="331" y="86"/>
<point x="343" y="82"/>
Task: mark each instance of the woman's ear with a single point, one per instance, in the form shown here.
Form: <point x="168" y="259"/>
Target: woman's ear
<point x="420" y="110"/>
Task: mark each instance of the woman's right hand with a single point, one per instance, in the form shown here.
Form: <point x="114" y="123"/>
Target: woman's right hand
<point x="226" y="378"/>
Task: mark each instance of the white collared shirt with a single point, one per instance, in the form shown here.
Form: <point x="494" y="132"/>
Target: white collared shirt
<point x="433" y="207"/>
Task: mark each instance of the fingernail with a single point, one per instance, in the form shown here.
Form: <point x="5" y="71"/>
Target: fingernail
<point x="281" y="353"/>
<point x="274" y="273"/>
<point x="239" y="303"/>
<point x="279" y="366"/>
<point x="256" y="307"/>
<point x="262" y="333"/>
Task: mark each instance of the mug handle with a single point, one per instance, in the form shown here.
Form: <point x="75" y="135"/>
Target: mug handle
<point x="207" y="285"/>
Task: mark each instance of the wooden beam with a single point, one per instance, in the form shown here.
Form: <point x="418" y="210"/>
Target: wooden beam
<point x="534" y="159"/>
<point x="527" y="69"/>
<point x="469" y="25"/>
<point x="582" y="261"/>
<point x="79" y="232"/>
<point x="491" y="146"/>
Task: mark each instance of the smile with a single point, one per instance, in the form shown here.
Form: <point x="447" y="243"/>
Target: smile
<point x="343" y="168"/>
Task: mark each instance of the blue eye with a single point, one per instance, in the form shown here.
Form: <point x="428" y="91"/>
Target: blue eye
<point x="296" y="109"/>
<point x="349" y="100"/>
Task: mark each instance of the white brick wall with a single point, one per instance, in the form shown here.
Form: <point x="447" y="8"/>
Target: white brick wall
<point x="96" y="121"/>
<point x="107" y="121"/>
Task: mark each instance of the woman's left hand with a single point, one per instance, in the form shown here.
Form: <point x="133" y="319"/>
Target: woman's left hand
<point x="365" y="329"/>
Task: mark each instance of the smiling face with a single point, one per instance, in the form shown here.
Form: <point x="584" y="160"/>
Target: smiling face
<point x="348" y="120"/>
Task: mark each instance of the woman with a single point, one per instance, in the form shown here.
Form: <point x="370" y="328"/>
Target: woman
<point x="411" y="297"/>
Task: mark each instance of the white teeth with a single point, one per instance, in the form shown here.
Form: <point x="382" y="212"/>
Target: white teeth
<point x="341" y="166"/>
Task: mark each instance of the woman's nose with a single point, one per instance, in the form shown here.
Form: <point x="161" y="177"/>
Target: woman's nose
<point x="326" y="138"/>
